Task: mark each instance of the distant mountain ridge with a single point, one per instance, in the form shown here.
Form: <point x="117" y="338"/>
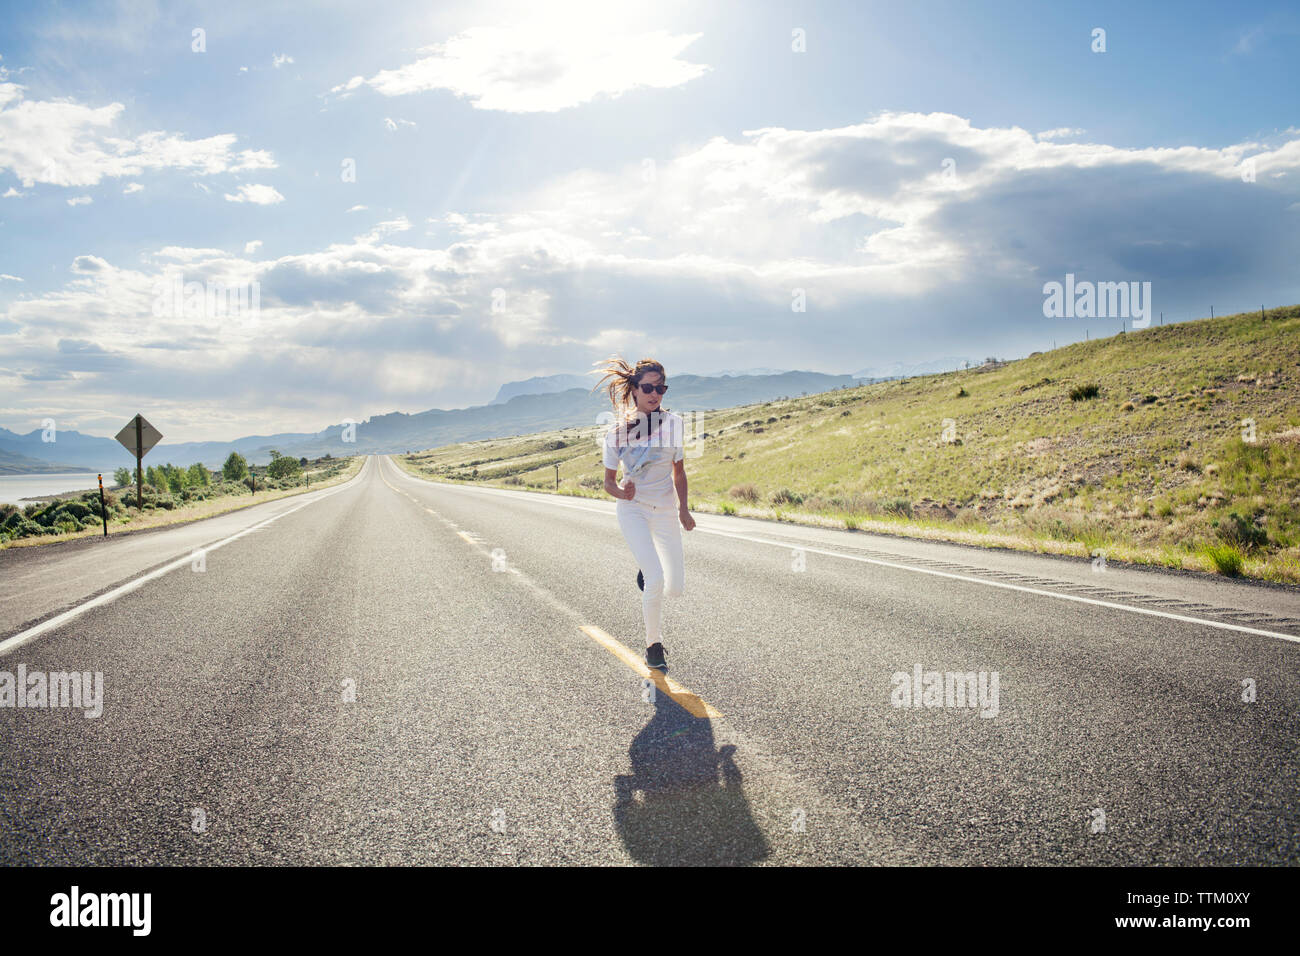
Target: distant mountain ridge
<point x="12" y="463"/>
<point x="900" y="370"/>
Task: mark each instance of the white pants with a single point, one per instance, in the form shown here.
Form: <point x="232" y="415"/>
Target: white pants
<point x="655" y="537"/>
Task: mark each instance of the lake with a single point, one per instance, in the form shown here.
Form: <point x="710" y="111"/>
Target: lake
<point x="13" y="487"/>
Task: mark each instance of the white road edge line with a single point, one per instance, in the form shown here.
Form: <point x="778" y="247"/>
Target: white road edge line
<point x="942" y="574"/>
<point x="23" y="637"/>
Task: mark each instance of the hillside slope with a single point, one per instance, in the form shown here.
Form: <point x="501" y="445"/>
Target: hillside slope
<point x="1159" y="465"/>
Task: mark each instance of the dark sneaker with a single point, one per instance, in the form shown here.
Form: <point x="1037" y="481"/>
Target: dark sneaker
<point x="640" y="580"/>
<point x="654" y="656"/>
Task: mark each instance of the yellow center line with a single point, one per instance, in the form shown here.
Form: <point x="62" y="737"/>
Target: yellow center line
<point x="689" y="702"/>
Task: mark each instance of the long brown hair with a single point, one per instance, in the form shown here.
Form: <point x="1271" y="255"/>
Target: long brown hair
<point x="624" y="379"/>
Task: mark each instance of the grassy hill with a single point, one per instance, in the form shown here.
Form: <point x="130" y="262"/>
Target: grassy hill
<point x="1139" y="446"/>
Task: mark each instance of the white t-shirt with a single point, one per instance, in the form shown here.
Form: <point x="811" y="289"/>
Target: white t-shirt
<point x="648" y="461"/>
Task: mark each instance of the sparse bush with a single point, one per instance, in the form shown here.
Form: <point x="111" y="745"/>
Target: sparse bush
<point x="744" y="492"/>
<point x="898" y="506"/>
<point x="1083" y="392"/>
<point x="962" y="393"/>
<point x="1242" y="533"/>
<point x="786" y="497"/>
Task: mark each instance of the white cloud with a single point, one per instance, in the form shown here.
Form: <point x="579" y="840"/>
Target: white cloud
<point x="382" y="229"/>
<point x="543" y="65"/>
<point x="255" y="193"/>
<point x="89" y="265"/>
<point x="392" y="125"/>
<point x="65" y="143"/>
<point x="252" y="247"/>
<point x="358" y="208"/>
<point x="1246" y="42"/>
<point x="280" y="59"/>
<point x="11" y="193"/>
<point x="80" y="201"/>
<point x="187" y="253"/>
<point x="1063" y="132"/>
<point x="4" y="276"/>
<point x="132" y="188"/>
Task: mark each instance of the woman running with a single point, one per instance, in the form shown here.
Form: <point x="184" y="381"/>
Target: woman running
<point x="647" y="440"/>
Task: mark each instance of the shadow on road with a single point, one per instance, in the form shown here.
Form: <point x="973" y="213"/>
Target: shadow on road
<point x="683" y="803"/>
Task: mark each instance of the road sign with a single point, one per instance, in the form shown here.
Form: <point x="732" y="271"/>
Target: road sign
<point x="148" y="436"/>
<point x="138" y="437"/>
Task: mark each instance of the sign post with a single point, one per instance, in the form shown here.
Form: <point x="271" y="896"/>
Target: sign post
<point x="103" y="512"/>
<point x="138" y="437"/>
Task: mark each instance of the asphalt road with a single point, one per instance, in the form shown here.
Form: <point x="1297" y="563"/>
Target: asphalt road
<point x="395" y="671"/>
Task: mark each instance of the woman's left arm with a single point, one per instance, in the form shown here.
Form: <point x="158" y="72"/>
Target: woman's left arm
<point x="679" y="480"/>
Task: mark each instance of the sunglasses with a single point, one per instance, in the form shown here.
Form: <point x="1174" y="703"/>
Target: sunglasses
<point x="648" y="388"/>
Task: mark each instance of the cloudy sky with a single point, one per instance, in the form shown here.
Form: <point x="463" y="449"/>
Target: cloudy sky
<point x="432" y="199"/>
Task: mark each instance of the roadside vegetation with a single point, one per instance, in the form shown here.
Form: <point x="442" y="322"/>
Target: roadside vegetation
<point x="171" y="494"/>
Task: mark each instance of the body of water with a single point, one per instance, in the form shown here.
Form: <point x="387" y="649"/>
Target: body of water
<point x="13" y="487"/>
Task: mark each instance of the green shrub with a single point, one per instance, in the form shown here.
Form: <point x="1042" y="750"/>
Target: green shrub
<point x="27" y="528"/>
<point x="898" y="506"/>
<point x="1225" y="558"/>
<point x="1242" y="533"/>
<point x="786" y="497"/>
<point x="52" y="515"/>
<point x="1081" y="392"/>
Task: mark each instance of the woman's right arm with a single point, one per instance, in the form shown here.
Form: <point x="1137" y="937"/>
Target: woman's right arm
<point x="611" y="485"/>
